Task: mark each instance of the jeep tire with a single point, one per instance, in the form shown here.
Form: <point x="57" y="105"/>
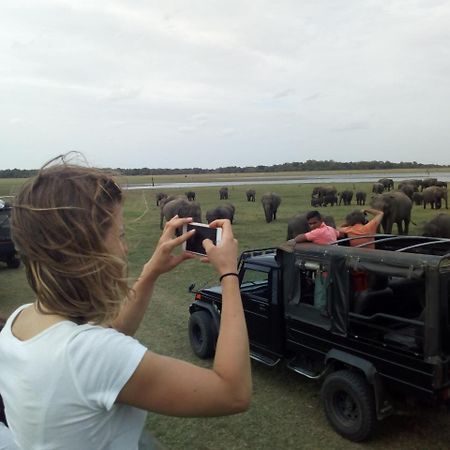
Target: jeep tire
<point x="349" y="405"/>
<point x="201" y="334"/>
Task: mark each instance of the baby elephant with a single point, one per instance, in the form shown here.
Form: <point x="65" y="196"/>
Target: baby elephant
<point x="270" y="202"/>
<point x="221" y="212"/>
<point x="251" y="195"/>
<point x="346" y="197"/>
<point x="159" y="197"/>
<point x="329" y="199"/>
<point x="223" y="193"/>
<point x="417" y="198"/>
<point x="361" y="198"/>
<point x="438" y="226"/>
<point x="434" y="196"/>
<point x="190" y="195"/>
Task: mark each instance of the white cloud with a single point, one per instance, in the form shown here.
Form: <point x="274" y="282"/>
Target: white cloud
<point x="16" y="121"/>
<point x="260" y="82"/>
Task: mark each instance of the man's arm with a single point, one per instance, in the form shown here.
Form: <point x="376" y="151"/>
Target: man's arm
<point x="378" y="215"/>
<point x="301" y="238"/>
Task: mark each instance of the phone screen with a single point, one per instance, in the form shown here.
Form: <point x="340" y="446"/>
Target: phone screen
<point x="194" y="244"/>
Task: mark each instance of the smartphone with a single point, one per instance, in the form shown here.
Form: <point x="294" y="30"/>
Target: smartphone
<point x="202" y="231"/>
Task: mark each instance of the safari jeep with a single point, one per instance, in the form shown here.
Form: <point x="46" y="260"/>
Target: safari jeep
<point x="7" y="251"/>
<point x="373" y="324"/>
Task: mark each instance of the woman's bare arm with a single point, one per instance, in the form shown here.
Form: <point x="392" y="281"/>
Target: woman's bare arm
<point x="170" y="386"/>
<point x="162" y="261"/>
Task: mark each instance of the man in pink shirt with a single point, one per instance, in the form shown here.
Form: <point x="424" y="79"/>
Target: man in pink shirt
<point x="320" y="232"/>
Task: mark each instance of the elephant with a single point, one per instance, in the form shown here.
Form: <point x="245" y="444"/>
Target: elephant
<point x="251" y="195"/>
<point x="316" y="201"/>
<point x="346" y="197"/>
<point x="441" y="184"/>
<point x="377" y="188"/>
<point x="329" y="199"/>
<point x="415" y="183"/>
<point x="270" y="202"/>
<point x="169" y="198"/>
<point x="427" y="182"/>
<point x="388" y="183"/>
<point x="320" y="191"/>
<point x="190" y="195"/>
<point x="299" y="225"/>
<point x="438" y="226"/>
<point x="407" y="189"/>
<point x="160" y="196"/>
<point x="434" y="196"/>
<point x="361" y="198"/>
<point x="183" y="207"/>
<point x="223" y="193"/>
<point x="417" y="198"/>
<point x="397" y="209"/>
<point x="225" y="211"/>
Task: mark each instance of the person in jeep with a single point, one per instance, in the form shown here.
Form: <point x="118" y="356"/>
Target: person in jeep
<point x="356" y="226"/>
<point x="320" y="233"/>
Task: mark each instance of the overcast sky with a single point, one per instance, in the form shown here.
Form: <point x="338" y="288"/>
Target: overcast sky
<point x="213" y="83"/>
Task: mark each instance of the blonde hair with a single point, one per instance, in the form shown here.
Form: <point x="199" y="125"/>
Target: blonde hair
<point x="59" y="224"/>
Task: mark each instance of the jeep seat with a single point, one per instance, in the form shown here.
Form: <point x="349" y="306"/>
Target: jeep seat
<point x="372" y="301"/>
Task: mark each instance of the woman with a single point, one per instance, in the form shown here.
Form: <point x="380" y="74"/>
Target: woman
<point x="72" y="375"/>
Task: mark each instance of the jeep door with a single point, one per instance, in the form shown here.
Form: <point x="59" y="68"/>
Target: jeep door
<point x="259" y="292"/>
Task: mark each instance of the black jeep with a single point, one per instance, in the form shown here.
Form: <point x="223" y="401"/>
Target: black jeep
<point x="374" y="324"/>
<point x="8" y="253"/>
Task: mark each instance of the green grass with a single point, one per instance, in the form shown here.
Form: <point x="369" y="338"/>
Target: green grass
<point x="286" y="412"/>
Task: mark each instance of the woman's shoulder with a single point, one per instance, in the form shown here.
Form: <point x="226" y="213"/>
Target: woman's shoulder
<point x="97" y="333"/>
<point x="101" y="361"/>
<point x="14" y="314"/>
<point x="5" y="322"/>
<point x="98" y="339"/>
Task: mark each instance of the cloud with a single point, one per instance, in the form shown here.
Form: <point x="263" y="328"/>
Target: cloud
<point x="311" y="97"/>
<point x="187" y="129"/>
<point x="186" y="74"/>
<point x="284" y="93"/>
<point x="121" y="93"/>
<point x="200" y="119"/>
<point x="227" y="132"/>
<point x="353" y="126"/>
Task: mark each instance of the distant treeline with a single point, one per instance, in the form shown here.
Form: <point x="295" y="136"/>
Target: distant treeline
<point x="309" y="165"/>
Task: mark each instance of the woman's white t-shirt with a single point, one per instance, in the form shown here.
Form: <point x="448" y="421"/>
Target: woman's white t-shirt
<point x="60" y="387"/>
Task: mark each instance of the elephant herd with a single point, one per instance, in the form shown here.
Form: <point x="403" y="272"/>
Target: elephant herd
<point x="186" y="206"/>
<point x="396" y="205"/>
<point x="329" y="196"/>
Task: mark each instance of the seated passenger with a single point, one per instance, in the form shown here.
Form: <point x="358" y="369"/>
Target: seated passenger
<point x="320" y="233"/>
<point x="356" y="225"/>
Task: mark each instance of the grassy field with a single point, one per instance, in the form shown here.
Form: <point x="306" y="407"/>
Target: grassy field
<point x="286" y="412"/>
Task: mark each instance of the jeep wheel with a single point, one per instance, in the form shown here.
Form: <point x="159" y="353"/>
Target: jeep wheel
<point x="13" y="263"/>
<point x="349" y="405"/>
<point x="201" y="334"/>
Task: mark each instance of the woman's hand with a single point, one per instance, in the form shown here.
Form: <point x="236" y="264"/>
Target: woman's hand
<point x="163" y="260"/>
<point x="222" y="256"/>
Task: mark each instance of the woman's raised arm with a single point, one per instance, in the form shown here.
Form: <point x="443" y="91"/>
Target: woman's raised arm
<point x="170" y="386"/>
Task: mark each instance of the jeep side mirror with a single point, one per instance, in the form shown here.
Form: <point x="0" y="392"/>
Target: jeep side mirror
<point x="191" y="287"/>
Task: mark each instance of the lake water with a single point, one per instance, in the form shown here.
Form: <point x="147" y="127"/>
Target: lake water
<point x="286" y="179"/>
